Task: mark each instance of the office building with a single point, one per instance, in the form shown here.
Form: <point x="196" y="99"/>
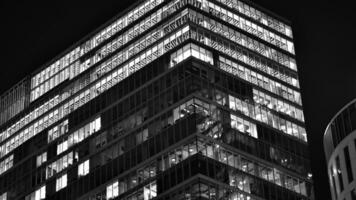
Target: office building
<point x="171" y="99"/>
<point x="340" y="152"/>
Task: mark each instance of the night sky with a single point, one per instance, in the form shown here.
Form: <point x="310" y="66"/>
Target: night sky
<point x="33" y="32"/>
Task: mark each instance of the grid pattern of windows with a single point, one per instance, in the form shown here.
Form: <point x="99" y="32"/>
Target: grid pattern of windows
<point x="59" y="70"/>
<point x="276" y="104"/>
<point x="259" y="80"/>
<point x="242" y="39"/>
<point x="170" y="92"/>
<point x="259" y="16"/>
<point x="168" y="7"/>
<point x="251" y="27"/>
<point x="113" y="78"/>
<point x="264" y="115"/>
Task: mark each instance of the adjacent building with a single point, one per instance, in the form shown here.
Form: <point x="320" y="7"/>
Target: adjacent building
<point x="340" y="152"/>
<point x="171" y="99"/>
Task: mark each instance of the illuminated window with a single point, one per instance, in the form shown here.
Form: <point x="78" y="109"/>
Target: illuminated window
<point x="150" y="191"/>
<point x="61" y="182"/>
<point x="37" y="195"/>
<point x="244" y="126"/>
<point x="112" y="190"/>
<point x="83" y="168"/>
<point x="41" y="159"/>
<point x="191" y="50"/>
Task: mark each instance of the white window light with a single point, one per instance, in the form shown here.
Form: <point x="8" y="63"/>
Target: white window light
<point x="61" y="182"/>
<point x="83" y="168"/>
<point x="41" y="159"/>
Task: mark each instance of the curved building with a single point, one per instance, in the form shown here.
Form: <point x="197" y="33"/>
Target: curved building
<point x="340" y="152"/>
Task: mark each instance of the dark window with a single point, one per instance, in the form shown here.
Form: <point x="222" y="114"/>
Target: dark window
<point x="353" y="194"/>
<point x="348" y="164"/>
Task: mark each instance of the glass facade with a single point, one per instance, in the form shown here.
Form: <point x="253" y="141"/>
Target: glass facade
<point x="340" y="152"/>
<point x="178" y="99"/>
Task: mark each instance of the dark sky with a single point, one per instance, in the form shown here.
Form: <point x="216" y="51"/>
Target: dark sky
<point x="33" y="32"/>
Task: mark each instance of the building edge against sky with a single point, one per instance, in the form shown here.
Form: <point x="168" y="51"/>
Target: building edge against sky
<point x="340" y="152"/>
<point x="201" y="97"/>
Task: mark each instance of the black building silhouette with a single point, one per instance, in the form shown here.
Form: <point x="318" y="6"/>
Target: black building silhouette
<point x="172" y="99"/>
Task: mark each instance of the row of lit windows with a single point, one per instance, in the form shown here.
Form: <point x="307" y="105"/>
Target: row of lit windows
<point x="30" y="117"/>
<point x="135" y="48"/>
<point x="132" y="180"/>
<point x="242" y="39"/>
<point x="251" y="27"/>
<point x="77" y="68"/>
<point x="102" y="67"/>
<point x="13" y="101"/>
<point x="146" y="57"/>
<point x="65" y="113"/>
<point x="62" y="63"/>
<point x="191" y="50"/>
<point x="237" y="52"/>
<point x="147" y="192"/>
<point x="39" y="194"/>
<point x="277" y="105"/>
<point x="263" y="114"/>
<point x="277" y="72"/>
<point x="244" y="73"/>
<point x="212" y="116"/>
<point x="243" y="125"/>
<point x="6" y="164"/>
<point x="215" y="152"/>
<point x="259" y="16"/>
<point x="211" y="120"/>
<point x="49" y="84"/>
<point x="78" y="136"/>
<point x="273" y="175"/>
<point x="58" y="131"/>
<point x="53" y="70"/>
<point x="208" y="191"/>
<point x="133" y="66"/>
<point x="135" y="31"/>
<point x="120" y="23"/>
<point x="61" y="164"/>
<point x="69" y="59"/>
<point x="259" y="80"/>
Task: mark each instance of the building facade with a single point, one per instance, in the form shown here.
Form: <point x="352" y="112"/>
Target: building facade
<point x="340" y="152"/>
<point x="171" y="99"/>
